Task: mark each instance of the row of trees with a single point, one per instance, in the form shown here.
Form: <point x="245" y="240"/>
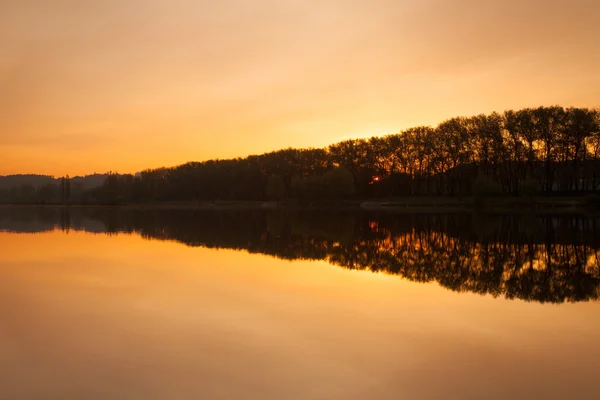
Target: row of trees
<point x="63" y="192"/>
<point x="546" y="150"/>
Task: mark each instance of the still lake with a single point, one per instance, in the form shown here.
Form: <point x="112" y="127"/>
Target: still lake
<point x="100" y="303"/>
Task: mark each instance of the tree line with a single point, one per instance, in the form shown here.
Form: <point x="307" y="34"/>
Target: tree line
<point x="544" y="150"/>
<point x="44" y="189"/>
<point x="534" y="150"/>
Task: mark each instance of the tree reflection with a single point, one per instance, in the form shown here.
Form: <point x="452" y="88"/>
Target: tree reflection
<point x="544" y="259"/>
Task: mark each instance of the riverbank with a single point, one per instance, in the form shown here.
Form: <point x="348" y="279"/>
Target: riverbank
<point x="540" y="205"/>
<point x="435" y="205"/>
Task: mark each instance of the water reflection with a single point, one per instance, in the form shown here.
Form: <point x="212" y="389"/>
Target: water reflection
<point x="543" y="259"/>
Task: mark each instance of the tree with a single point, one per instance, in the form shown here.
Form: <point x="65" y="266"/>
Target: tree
<point x="65" y="189"/>
<point x="339" y="183"/>
<point x="484" y="187"/>
<point x="529" y="187"/>
<point x="549" y="123"/>
<point x="275" y="188"/>
<point x="579" y="125"/>
<point x="48" y="194"/>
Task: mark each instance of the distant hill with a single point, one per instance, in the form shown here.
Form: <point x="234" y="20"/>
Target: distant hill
<point x="6" y="182"/>
<point x="88" y="181"/>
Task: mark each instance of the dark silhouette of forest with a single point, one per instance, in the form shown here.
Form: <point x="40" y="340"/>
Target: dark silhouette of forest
<point x="545" y="150"/>
<point x="44" y="189"/>
<point x="534" y="258"/>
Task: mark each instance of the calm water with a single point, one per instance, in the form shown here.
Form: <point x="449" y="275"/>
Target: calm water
<point x="106" y="304"/>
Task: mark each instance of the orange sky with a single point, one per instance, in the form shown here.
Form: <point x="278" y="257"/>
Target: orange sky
<point x="124" y="85"/>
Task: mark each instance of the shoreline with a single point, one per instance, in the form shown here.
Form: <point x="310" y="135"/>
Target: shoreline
<point x="433" y="205"/>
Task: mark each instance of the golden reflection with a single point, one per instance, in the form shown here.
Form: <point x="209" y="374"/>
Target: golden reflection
<point x="96" y="316"/>
<point x="539" y="262"/>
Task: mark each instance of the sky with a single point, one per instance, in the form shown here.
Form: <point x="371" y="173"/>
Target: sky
<point x="124" y="85"/>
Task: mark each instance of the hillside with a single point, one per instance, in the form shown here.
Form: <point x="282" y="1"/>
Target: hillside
<point x="35" y="180"/>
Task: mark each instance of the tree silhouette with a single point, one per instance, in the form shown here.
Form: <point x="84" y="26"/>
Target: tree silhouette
<point x="275" y="189"/>
<point x="557" y="147"/>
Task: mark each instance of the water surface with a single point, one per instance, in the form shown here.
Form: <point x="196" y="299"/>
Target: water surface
<point x="100" y="303"/>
